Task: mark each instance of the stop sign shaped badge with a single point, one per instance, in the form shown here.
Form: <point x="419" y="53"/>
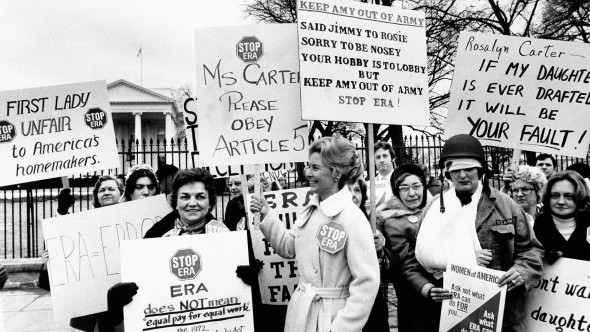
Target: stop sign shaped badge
<point x="249" y="49"/>
<point x="331" y="236"/>
<point x="185" y="264"/>
<point x="7" y="131"/>
<point x="95" y="118"/>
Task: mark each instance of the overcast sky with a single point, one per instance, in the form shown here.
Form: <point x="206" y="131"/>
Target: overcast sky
<point x="53" y="42"/>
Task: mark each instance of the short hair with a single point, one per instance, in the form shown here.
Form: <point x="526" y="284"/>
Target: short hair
<point x="533" y="176"/>
<point x="340" y="154"/>
<point x="100" y="180"/>
<point x="139" y="172"/>
<point x="581" y="195"/>
<point x="544" y="156"/>
<point x="385" y="146"/>
<point x="192" y="175"/>
<point x="582" y="169"/>
<point x="398" y="181"/>
<point x="166" y="170"/>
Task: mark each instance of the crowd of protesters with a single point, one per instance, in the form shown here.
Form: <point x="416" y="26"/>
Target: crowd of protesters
<point x="539" y="215"/>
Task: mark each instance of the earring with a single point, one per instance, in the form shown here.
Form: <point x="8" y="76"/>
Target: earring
<point x="335" y="179"/>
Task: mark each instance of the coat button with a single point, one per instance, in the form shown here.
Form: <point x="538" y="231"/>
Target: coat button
<point x="315" y="269"/>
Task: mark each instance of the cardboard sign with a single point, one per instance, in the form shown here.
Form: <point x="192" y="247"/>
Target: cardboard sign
<point x="55" y="131"/>
<point x="248" y="96"/>
<point x="84" y="252"/>
<point x="278" y="277"/>
<point x="521" y="93"/>
<point x="189" y="283"/>
<point x="362" y="63"/>
<point x="478" y="302"/>
<point x="559" y="301"/>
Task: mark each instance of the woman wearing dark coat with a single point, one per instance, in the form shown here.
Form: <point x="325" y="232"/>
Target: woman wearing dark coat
<point x="564" y="222"/>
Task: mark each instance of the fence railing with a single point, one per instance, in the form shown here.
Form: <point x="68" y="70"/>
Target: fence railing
<point x="24" y="206"/>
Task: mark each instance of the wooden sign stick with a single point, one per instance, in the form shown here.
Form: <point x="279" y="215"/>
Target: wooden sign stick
<point x="371" y="171"/>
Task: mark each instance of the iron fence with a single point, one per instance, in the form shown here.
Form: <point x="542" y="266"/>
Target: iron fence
<point x="25" y="205"/>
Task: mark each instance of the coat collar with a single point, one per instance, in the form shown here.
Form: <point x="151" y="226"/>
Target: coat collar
<point x="331" y="206"/>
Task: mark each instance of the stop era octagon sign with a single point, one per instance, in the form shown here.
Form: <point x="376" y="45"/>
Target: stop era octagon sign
<point x="331" y="236"/>
<point x="249" y="49"/>
<point x="185" y="264"/>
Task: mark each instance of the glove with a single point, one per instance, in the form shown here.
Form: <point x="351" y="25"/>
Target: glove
<point x="249" y="273"/>
<point x="118" y="296"/>
<point x="552" y="256"/>
<point x="64" y="200"/>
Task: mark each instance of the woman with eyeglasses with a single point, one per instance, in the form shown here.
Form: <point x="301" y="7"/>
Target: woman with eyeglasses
<point x="565" y="218"/>
<point x="527" y="190"/>
<point x="404" y="216"/>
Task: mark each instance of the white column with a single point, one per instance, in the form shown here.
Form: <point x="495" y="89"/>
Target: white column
<point x="138" y="136"/>
<point x="169" y="127"/>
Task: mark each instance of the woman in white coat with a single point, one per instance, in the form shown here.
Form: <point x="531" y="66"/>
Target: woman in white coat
<point x="336" y="259"/>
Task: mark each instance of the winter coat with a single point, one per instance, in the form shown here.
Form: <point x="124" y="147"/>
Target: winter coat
<point x="336" y="290"/>
<point x="576" y="247"/>
<point x="401" y="230"/>
<point x="502" y="227"/>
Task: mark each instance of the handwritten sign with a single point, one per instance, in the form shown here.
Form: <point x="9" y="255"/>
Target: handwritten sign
<point x="55" y="131"/>
<point x="249" y="112"/>
<point x="521" y="93"/>
<point x="478" y="302"/>
<point x="362" y="63"/>
<point x="84" y="252"/>
<point x="278" y="277"/>
<point x="559" y="301"/>
<point x="214" y="299"/>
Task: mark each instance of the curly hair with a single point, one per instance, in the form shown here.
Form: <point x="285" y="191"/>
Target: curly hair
<point x="340" y="154"/>
<point x="534" y="176"/>
<point x="135" y="173"/>
<point x="186" y="176"/>
<point x="100" y="180"/>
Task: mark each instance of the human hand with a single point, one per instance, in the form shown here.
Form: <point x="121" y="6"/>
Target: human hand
<point x="45" y="256"/>
<point x="378" y="240"/>
<point x="552" y="256"/>
<point x="483" y="257"/>
<point x="3" y="276"/>
<point x="437" y="294"/>
<point x="259" y="204"/>
<point x="121" y="294"/>
<point x="509" y="177"/>
<point x="512" y="278"/>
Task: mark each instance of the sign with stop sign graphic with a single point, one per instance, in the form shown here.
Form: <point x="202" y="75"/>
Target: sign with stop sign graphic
<point x="185" y="264"/>
<point x="332" y="236"/>
<point x="249" y="49"/>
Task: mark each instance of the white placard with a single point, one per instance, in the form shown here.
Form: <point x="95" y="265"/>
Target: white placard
<point x="521" y="93"/>
<point x="278" y="277"/>
<point x="84" y="252"/>
<point x="362" y="63"/>
<point x="188" y="283"/>
<point x="248" y="105"/>
<point x="560" y="300"/>
<point x="478" y="302"/>
<point x="55" y="131"/>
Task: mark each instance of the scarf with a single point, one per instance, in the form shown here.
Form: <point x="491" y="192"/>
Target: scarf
<point x="181" y="229"/>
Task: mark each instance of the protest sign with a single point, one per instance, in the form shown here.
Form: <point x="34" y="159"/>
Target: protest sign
<point x="189" y="283"/>
<point x="278" y="276"/>
<point x="362" y="63"/>
<point x="84" y="252"/>
<point x="55" y="131"/>
<point x="521" y="93"/>
<point x="559" y="301"/>
<point x="248" y="106"/>
<point x="478" y="302"/>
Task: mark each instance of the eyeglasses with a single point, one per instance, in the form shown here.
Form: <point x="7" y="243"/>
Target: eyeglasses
<point x="523" y="190"/>
<point x="415" y="187"/>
